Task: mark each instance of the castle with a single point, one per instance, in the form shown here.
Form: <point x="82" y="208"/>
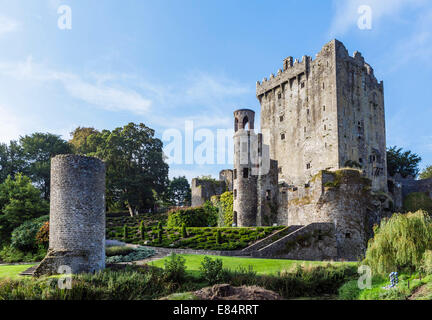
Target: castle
<point x="319" y="163"/>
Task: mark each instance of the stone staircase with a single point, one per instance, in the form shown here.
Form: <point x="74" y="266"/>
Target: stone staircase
<point x="255" y="247"/>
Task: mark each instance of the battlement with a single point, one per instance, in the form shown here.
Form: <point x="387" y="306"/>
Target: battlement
<point x="293" y="68"/>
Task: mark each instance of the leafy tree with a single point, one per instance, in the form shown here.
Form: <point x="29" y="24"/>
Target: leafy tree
<point x="179" y="192"/>
<point x="24" y="237"/>
<point x="11" y="160"/>
<point x="400" y="243"/>
<point x="79" y="140"/>
<point x="19" y="201"/>
<point x="403" y="162"/>
<point x="136" y="169"/>
<point x="426" y="173"/>
<point x="38" y="149"/>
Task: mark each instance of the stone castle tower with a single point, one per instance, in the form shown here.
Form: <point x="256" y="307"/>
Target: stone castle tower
<point x="326" y="113"/>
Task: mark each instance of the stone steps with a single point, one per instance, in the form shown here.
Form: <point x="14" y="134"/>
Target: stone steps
<point x="268" y="240"/>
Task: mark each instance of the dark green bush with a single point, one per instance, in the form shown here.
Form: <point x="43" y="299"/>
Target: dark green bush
<point x="191" y="217"/>
<point x="175" y="268"/>
<point x="24" y="237"/>
<point x="211" y="270"/>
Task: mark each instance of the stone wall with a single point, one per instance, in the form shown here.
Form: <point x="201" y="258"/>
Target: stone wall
<point x="204" y="189"/>
<point x="410" y="185"/>
<point x="77" y="215"/>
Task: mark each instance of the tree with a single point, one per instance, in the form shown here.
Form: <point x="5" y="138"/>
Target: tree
<point x="179" y="191"/>
<point x="79" y="141"/>
<point x="11" y="160"/>
<point x="403" y="162"/>
<point x="38" y="149"/>
<point x="135" y="165"/>
<point x="426" y="173"/>
<point x="19" y="201"/>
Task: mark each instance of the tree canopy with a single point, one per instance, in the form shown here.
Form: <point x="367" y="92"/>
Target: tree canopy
<point x="403" y="162"/>
<point x="79" y="140"/>
<point x="19" y="201"/>
<point x="179" y="191"/>
<point x="135" y="164"/>
<point x="426" y="173"/>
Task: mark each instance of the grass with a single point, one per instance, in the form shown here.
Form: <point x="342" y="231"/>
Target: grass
<point x="260" y="266"/>
<point x="13" y="271"/>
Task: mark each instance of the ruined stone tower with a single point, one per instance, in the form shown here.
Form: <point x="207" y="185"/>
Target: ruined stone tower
<point x="325" y="114"/>
<point x="77" y="215"/>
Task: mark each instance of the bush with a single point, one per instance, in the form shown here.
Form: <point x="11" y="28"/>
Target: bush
<point x="219" y="237"/>
<point x="349" y="291"/>
<point x="426" y="266"/>
<point x="42" y="236"/>
<point x="175" y="268"/>
<point x="142" y="230"/>
<point x="10" y="254"/>
<point x="400" y="243"/>
<point x="184" y="231"/>
<point x="125" y="232"/>
<point x="226" y="205"/>
<point x="118" y="251"/>
<point x="211" y="270"/>
<point x="24" y="237"/>
<point x="136" y="254"/>
<point x="418" y="201"/>
<point x="191" y="217"/>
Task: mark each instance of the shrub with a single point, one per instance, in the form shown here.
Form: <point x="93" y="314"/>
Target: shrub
<point x="125" y="232"/>
<point x="175" y="268"/>
<point x="118" y="251"/>
<point x="24" y="237"/>
<point x="418" y="201"/>
<point x="136" y="254"/>
<point x="349" y="291"/>
<point x="400" y="242"/>
<point x="219" y="237"/>
<point x="142" y="229"/>
<point x="12" y="255"/>
<point x="42" y="236"/>
<point x="191" y="217"/>
<point x="226" y="205"/>
<point x="211" y="270"/>
<point x="426" y="266"/>
<point x="184" y="231"/>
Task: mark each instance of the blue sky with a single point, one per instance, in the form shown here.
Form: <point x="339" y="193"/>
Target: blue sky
<point x="163" y="62"/>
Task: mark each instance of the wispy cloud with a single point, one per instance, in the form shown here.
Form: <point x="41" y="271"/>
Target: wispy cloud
<point x="7" y="25"/>
<point x="346" y="12"/>
<point x="10" y="125"/>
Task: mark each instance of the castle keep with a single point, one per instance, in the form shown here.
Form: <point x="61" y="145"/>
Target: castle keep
<point x="318" y="166"/>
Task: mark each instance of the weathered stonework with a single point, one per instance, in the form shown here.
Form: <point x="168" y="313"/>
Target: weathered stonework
<point x="204" y="189"/>
<point x="77" y="216"/>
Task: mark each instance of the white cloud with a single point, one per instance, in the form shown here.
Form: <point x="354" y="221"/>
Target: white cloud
<point x="7" y="25"/>
<point x="346" y="15"/>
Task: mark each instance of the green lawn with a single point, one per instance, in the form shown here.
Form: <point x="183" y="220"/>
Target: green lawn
<point x="13" y="271"/>
<point x="261" y="266"/>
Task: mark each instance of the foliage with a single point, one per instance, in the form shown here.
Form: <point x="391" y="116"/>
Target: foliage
<point x="399" y="243"/>
<point x="192" y="217"/>
<point x="179" y="192"/>
<point x="211" y="270"/>
<point x="403" y="162"/>
<point x="142" y="229"/>
<point x="226" y="204"/>
<point x="38" y="149"/>
<point x="42" y="236"/>
<point x="417" y="201"/>
<point x="11" y="160"/>
<point x="218" y="237"/>
<point x="12" y="255"/>
<point x="79" y="141"/>
<point x="426" y="173"/>
<point x="426" y="265"/>
<point x="118" y="251"/>
<point x="136" y="170"/>
<point x="19" y="201"/>
<point x="184" y="231"/>
<point x="125" y="232"/>
<point x="24" y="236"/>
<point x="139" y="253"/>
<point x="175" y="268"/>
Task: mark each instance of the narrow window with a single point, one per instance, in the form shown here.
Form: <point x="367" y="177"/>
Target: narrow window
<point x="283" y="136"/>
<point x="348" y="235"/>
<point x="302" y="84"/>
<point x="280" y="170"/>
<point x="360" y="160"/>
<point x="323" y="108"/>
<point x="279" y="96"/>
<point x="308" y="111"/>
<point x="235" y="174"/>
<point x="325" y="127"/>
<point x="281" y="118"/>
<point x="308" y="166"/>
<point x="268" y="195"/>
<point x="323" y="85"/>
<point x="245" y="172"/>
<point x="235" y="193"/>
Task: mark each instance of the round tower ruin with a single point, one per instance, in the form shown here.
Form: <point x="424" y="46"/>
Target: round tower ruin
<point x="245" y="168"/>
<point x="77" y="216"/>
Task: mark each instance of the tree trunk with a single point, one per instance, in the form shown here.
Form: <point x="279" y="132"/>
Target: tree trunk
<point x="131" y="212"/>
